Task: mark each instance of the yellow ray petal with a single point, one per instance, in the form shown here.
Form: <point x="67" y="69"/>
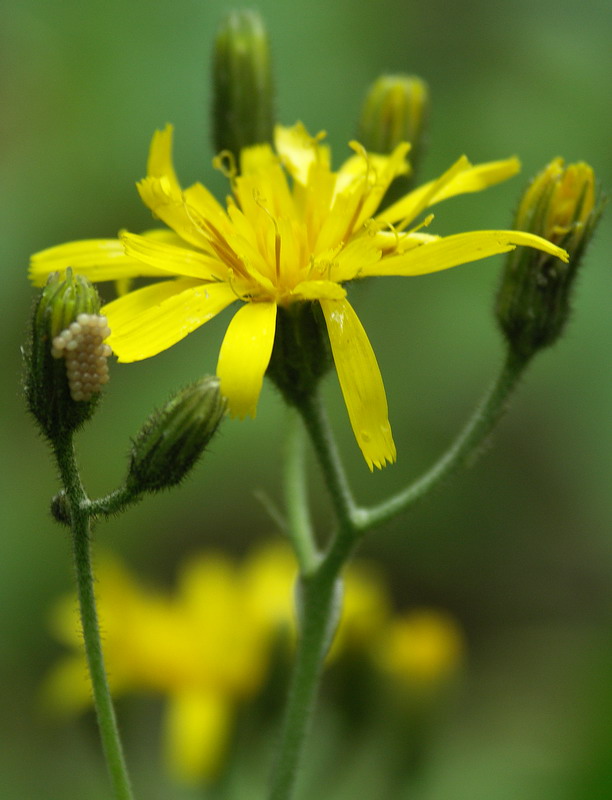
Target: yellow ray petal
<point x="394" y="242"/>
<point x="96" y="259"/>
<point x="462" y="178"/>
<point x="318" y="290"/>
<point x="350" y="262"/>
<point x="299" y="150"/>
<point x="377" y="171"/>
<point x="159" y="163"/>
<point x="167" y="203"/>
<point x="386" y="171"/>
<point x="416" y="201"/>
<point x="257" y="157"/>
<point x="167" y="258"/>
<point x="336" y="223"/>
<point x="205" y="204"/>
<point x="461" y="248"/>
<point x="196" y="733"/>
<point x="361" y="383"/>
<point x="245" y="355"/>
<point x="147" y="321"/>
<point x="124" y="309"/>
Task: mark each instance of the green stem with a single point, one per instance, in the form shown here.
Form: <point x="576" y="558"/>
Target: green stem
<point x="317" y="613"/>
<point x="465" y="447"/>
<point x="113" y="503"/>
<point x="299" y="526"/>
<point x="317" y="425"/>
<point x="80" y="526"/>
<point x="318" y="599"/>
<point x="319" y="602"/>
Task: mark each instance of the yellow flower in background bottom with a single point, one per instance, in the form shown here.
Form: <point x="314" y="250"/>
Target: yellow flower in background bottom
<point x="206" y="647"/>
<point x="421" y="649"/>
<point x="293" y="231"/>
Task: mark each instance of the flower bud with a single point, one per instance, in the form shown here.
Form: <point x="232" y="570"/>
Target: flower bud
<point x="64" y="370"/>
<point x="243" y="91"/>
<point x="172" y="439"/>
<point x="396" y="109"/>
<point x="533" y="302"/>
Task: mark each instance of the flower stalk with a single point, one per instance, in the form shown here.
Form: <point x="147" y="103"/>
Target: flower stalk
<point x="80" y="526"/>
<point x="319" y="599"/>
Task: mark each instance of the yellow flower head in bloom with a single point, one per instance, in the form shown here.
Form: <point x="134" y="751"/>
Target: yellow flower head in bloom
<point x="292" y="231"/>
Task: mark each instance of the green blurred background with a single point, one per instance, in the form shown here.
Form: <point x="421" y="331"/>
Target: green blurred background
<point x="519" y="548"/>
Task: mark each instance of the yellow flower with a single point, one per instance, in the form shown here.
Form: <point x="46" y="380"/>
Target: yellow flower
<point x="293" y="231"/>
<point x="421" y="649"/>
<point x="206" y="647"/>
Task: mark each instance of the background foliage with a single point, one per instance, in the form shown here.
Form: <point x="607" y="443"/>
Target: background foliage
<point x="519" y="549"/>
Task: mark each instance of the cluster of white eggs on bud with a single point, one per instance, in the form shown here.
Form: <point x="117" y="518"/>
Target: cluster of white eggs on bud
<point x="82" y="345"/>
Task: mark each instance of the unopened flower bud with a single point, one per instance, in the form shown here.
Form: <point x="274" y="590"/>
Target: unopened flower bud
<point x="243" y="90"/>
<point x="395" y="109"/>
<point x="172" y="439"/>
<point x="533" y="302"/>
<point x="66" y="358"/>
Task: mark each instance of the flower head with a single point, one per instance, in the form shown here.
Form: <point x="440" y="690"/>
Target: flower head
<point x="293" y="231"/>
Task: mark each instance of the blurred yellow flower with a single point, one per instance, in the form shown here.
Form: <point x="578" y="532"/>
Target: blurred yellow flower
<point x="421" y="649"/>
<point x="206" y="647"/>
<point x="294" y="231"/>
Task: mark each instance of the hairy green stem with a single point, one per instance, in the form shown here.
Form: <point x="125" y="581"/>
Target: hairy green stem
<point x="321" y="435"/>
<point x="112" y="503"/>
<point x="80" y="526"/>
<point x="299" y="526"/>
<point x="463" y="449"/>
<point x="318" y="604"/>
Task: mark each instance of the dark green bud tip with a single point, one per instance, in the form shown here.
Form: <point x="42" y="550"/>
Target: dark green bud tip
<point x="65" y="358"/>
<point x="172" y="439"/>
<point x="243" y="87"/>
<point x="533" y="302"/>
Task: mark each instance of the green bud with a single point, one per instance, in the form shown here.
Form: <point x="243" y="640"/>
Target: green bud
<point x="172" y="439"/>
<point x="243" y="90"/>
<point x="396" y="109"/>
<point x="533" y="301"/>
<point x="50" y="379"/>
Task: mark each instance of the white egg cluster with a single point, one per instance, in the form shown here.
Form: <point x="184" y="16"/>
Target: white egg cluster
<point x="82" y="345"/>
